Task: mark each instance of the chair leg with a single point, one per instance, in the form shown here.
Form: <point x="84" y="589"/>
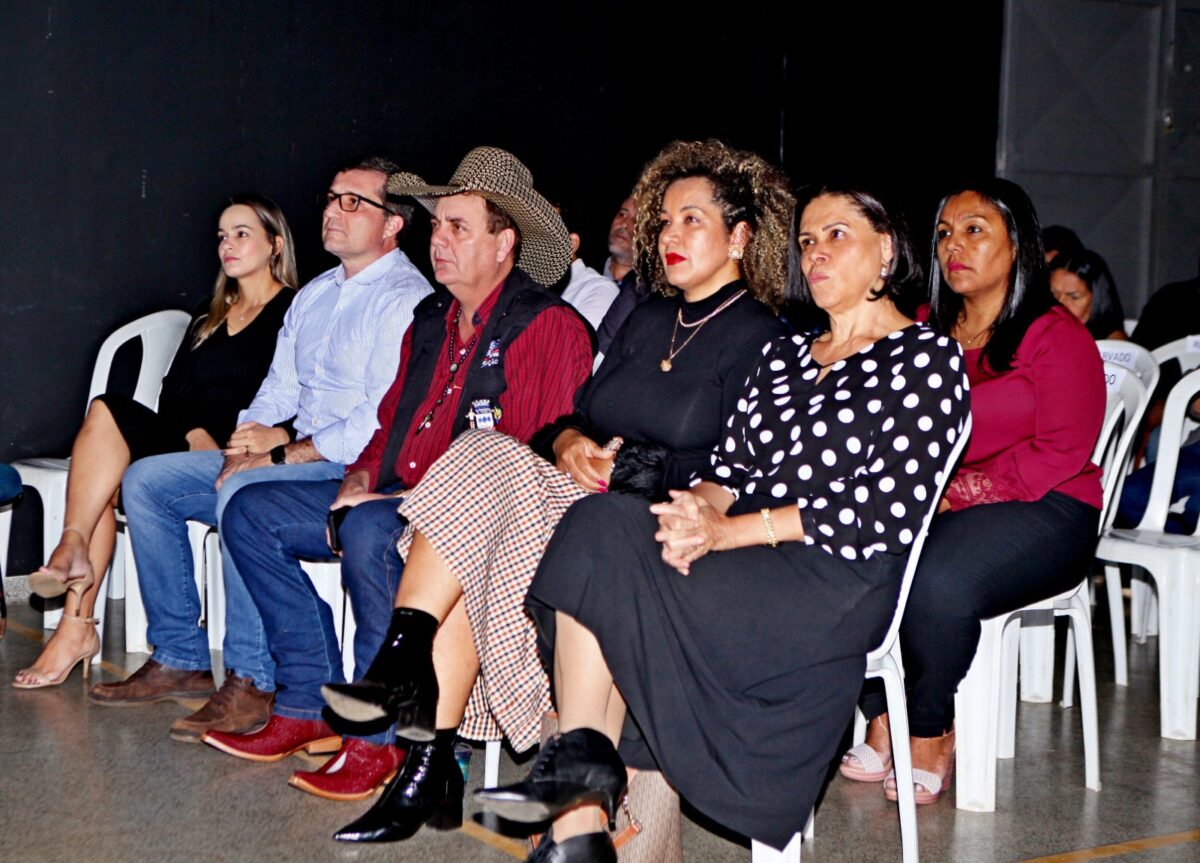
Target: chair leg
<point x="1116" y="619"/>
<point x="976" y="707"/>
<point x="135" y="610"/>
<point x="1139" y="594"/>
<point x="1150" y="616"/>
<point x="491" y="764"/>
<point x="760" y="853"/>
<point x="1037" y="662"/>
<point x="1081" y="625"/>
<point x="1179" y="650"/>
<point x="1068" y="690"/>
<point x="902" y="761"/>
<point x="1010" y="644"/>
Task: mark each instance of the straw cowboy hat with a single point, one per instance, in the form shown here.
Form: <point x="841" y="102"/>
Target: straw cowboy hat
<point x="501" y="178"/>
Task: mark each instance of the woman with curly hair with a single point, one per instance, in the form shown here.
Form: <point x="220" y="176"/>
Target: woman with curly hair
<point x="712" y="238"/>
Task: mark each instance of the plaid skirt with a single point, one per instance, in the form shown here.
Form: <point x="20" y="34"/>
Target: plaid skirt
<point x="488" y="506"/>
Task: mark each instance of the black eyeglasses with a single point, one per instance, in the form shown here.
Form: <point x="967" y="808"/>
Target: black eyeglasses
<point x="349" y="201"/>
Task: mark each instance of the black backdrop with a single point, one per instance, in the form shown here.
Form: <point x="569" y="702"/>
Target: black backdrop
<point x="125" y="124"/>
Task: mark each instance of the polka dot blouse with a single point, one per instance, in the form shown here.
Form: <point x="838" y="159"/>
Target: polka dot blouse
<point x="862" y="451"/>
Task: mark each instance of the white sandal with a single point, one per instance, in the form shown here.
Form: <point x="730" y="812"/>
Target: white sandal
<point x="871" y="767"/>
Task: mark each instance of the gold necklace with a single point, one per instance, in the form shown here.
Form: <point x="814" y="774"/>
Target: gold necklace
<point x="967" y="342"/>
<point x="695" y="326"/>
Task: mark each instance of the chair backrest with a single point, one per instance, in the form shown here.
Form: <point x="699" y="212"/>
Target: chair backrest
<point x="1127" y="400"/>
<point x="914" y="553"/>
<point x="1130" y="326"/>
<point x="161" y="333"/>
<point x="1141" y="361"/>
<point x="1186" y="350"/>
<point x="1171" y="438"/>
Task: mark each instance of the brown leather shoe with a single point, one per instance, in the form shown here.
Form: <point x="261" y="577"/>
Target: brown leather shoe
<point x="237" y="708"/>
<point x="153" y="682"/>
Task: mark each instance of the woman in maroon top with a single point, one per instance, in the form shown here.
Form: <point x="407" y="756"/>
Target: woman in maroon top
<point x="1019" y="519"/>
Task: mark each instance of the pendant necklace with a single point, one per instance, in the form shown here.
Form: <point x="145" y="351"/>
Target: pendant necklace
<point x="695" y="327"/>
<point x="455" y="365"/>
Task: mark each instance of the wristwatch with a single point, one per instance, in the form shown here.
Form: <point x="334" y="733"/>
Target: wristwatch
<point x="279" y="454"/>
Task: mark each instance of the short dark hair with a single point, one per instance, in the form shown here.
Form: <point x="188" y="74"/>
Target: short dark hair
<point x="1107" y="316"/>
<point x="904" y="271"/>
<point x="498" y="220"/>
<point x="1028" y="296"/>
<point x="404" y="207"/>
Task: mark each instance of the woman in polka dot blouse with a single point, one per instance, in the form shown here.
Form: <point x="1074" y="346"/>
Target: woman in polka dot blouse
<point x="733" y="620"/>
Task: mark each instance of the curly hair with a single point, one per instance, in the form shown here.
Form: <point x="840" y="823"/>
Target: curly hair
<point x="745" y="187"/>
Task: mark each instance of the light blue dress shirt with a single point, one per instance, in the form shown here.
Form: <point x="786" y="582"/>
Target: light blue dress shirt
<point x="337" y="354"/>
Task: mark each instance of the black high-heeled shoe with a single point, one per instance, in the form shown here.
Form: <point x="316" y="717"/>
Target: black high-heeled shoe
<point x="588" y="848"/>
<point x="576" y="768"/>
<point x="427" y="790"/>
<point x="400" y="686"/>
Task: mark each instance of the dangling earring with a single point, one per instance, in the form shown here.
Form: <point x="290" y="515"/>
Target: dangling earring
<point x="884" y="272"/>
<point x="735" y="253"/>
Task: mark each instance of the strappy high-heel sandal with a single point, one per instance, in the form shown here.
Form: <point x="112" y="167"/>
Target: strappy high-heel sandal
<point x="50" y="583"/>
<point x="42" y="680"/>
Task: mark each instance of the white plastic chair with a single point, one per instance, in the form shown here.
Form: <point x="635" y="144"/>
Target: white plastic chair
<point x="160" y="333"/>
<point x="985" y="704"/>
<point x="885" y="661"/>
<point x="1130" y="325"/>
<point x="1143" y="604"/>
<point x="1173" y="563"/>
<point x="1037" y="642"/>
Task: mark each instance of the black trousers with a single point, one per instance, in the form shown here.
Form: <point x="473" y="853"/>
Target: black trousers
<point x="977" y="563"/>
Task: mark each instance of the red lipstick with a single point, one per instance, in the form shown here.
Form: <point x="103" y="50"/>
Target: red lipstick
<point x="673" y="258"/>
<point x="957" y="266"/>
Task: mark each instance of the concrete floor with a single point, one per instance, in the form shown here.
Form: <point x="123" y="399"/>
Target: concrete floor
<point x="81" y="782"/>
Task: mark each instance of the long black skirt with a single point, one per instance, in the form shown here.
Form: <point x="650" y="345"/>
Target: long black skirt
<point x="740" y="678"/>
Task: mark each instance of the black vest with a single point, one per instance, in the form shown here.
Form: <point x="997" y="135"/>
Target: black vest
<point x="521" y="300"/>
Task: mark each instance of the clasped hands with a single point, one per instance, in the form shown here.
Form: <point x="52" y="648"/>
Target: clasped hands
<point x="250" y="447"/>
<point x="689" y="527"/>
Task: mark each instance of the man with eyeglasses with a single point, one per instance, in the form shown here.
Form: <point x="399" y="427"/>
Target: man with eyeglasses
<point x="335" y="357"/>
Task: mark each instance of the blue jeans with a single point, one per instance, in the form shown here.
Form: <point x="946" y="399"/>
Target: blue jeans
<point x="1135" y="495"/>
<point x="161" y="493"/>
<point x="267" y="528"/>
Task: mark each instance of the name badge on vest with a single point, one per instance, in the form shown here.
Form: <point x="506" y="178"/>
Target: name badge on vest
<point x="482" y="415"/>
<point x="492" y="357"/>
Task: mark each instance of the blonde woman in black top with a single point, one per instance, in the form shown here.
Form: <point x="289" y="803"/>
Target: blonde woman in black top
<point x="217" y="371"/>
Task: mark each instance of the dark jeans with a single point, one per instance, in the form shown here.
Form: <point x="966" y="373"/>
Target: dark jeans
<point x="977" y="563"/>
<point x="1135" y="495"/>
<point x="266" y="529"/>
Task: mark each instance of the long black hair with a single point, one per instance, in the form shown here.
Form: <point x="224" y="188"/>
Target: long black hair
<point x="1028" y="296"/>
<point x="1106" y="316"/>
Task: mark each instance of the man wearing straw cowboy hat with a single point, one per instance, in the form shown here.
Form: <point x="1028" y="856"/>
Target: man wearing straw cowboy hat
<point x="496" y="350"/>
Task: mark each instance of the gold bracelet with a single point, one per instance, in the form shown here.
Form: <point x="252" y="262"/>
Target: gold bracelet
<point x="772" y="540"/>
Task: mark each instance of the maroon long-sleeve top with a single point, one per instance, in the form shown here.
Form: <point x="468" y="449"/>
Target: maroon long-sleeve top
<point x="1034" y="426"/>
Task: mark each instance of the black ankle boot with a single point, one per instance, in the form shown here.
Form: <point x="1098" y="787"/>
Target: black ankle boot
<point x="427" y="790"/>
<point x="400" y="686"/>
<point x="581" y="766"/>
<point x="588" y="848"/>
